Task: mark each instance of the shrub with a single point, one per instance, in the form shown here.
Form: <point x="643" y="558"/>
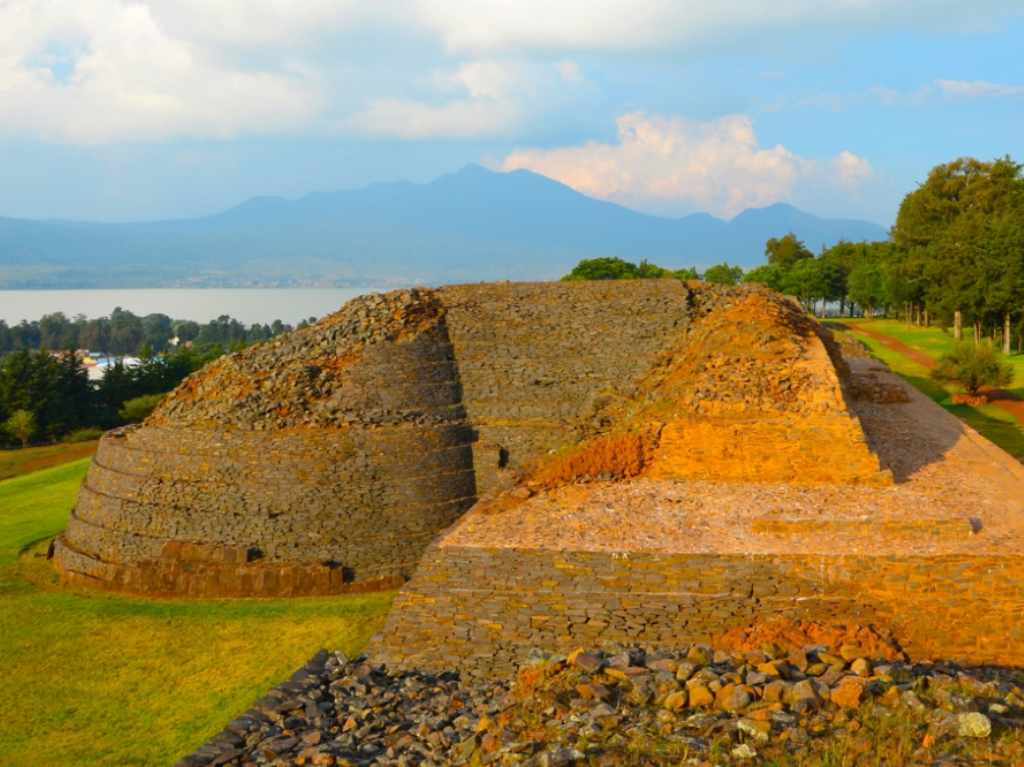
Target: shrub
<point x="138" y="408"/>
<point x="973" y="366"/>
<point x="87" y="434"/>
<point x="22" y="426"/>
<point x="612" y="268"/>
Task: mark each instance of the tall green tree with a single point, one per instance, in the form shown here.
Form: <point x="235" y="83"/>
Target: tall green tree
<point x="766" y="274"/>
<point x="723" y="274"/>
<point x="942" y="227"/>
<point x="784" y="252"/>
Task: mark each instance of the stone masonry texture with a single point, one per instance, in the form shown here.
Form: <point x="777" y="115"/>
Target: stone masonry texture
<point x="933" y="559"/>
<point x="326" y="460"/>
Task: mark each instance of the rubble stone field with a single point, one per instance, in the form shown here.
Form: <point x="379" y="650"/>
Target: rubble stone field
<point x="693" y="706"/>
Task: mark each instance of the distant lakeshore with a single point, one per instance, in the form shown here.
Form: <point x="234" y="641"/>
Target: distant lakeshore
<point x="247" y="305"/>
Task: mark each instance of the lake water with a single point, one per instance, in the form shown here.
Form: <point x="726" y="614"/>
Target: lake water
<point x="202" y="305"/>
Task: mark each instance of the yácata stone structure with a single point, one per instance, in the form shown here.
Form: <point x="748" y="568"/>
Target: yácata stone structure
<point x="592" y="464"/>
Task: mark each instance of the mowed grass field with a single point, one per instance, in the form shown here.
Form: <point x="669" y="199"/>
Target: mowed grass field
<point x="992" y="422"/>
<point x="934" y="342"/>
<point x="95" y="679"/>
<point x="14" y="463"/>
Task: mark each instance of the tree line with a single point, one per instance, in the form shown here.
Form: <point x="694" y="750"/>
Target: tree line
<point x="124" y="333"/>
<point x="954" y="257"/>
<point x="45" y="397"/>
<point x="613" y="268"/>
<point x="45" y="391"/>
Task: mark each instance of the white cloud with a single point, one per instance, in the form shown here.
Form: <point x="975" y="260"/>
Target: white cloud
<point x="89" y="71"/>
<point x="977" y="88"/>
<point x="128" y="79"/>
<point x="481" y="98"/>
<point x="623" y="25"/>
<point x="677" y="165"/>
<point x="850" y="169"/>
<point x="406" y="119"/>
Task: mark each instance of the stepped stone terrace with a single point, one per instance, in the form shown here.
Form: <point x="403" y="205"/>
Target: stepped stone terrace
<point x="555" y="465"/>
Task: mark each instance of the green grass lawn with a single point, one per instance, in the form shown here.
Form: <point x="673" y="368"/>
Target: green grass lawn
<point x="934" y="342"/>
<point x="95" y="679"/>
<point x="990" y="421"/>
<point x="14" y="463"/>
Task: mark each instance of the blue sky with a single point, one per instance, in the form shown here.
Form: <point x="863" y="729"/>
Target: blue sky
<point x="119" y="110"/>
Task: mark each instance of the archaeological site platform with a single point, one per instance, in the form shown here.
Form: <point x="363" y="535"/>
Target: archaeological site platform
<point x="555" y="465"/>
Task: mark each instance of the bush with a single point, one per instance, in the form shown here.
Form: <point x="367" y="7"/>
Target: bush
<point x="138" y="408"/>
<point x="611" y="268"/>
<point x="973" y="366"/>
<point x="83" y="435"/>
<point x="22" y="426"/>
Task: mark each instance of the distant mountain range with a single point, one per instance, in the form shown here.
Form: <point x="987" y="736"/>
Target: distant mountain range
<point x="472" y="225"/>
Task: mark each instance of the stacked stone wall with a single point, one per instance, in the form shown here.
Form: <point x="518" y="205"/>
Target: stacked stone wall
<point x="329" y="458"/>
<point x="537" y="359"/>
<point x="484" y="610"/>
<point x="338" y="488"/>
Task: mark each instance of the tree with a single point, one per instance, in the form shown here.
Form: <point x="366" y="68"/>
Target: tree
<point x="686" y="273"/>
<point x="22" y="426"/>
<point x="156" y="331"/>
<point x="605" y="268"/>
<point x="186" y="330"/>
<point x="723" y="274"/>
<point x="138" y="408"/>
<point x="807" y="281"/>
<point x="866" y="287"/>
<point x="786" y="251"/>
<point x="973" y="366"/>
<point x="952" y="189"/>
<point x="56" y="331"/>
<point x="767" y="274"/>
<point x="842" y="258"/>
<point x="942" y="227"/>
<point x="95" y="335"/>
<point x="126" y="332"/>
<point x="1001" y="262"/>
<point x="648" y="271"/>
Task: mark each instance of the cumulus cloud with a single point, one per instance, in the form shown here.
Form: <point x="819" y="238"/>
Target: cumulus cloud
<point x="123" y="77"/>
<point x="675" y="165"/>
<point x="90" y="71"/>
<point x="851" y="170"/>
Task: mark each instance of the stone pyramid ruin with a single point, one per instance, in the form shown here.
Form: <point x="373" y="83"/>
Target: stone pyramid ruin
<point x="553" y="465"/>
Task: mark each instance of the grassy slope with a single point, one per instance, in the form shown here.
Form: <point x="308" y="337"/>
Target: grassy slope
<point x="993" y="423"/>
<point x="99" y="679"/>
<point x="14" y="463"/>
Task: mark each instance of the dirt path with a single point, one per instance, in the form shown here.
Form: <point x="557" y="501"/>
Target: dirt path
<point x="910" y="352"/>
<point x="1003" y="400"/>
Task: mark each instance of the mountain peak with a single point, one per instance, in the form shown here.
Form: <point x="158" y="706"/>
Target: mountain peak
<point x="475" y="223"/>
